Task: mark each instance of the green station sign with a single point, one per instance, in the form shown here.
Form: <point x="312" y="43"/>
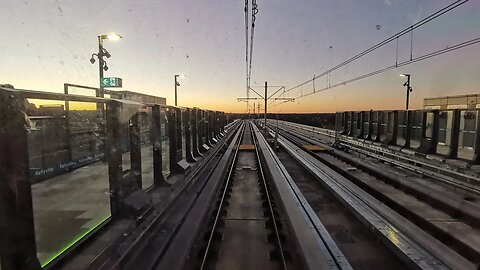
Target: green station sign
<point x="112" y="82"/>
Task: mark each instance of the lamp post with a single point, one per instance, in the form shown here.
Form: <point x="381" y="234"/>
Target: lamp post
<point x="102" y="64"/>
<point x="176" y="85"/>
<point x="407" y="85"/>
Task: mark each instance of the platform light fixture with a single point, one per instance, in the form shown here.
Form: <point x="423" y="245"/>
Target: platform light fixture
<point x="182" y="76"/>
<point x="102" y="52"/>
<point x="408" y="87"/>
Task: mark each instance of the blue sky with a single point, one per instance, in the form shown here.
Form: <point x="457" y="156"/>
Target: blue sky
<point x="50" y="42"/>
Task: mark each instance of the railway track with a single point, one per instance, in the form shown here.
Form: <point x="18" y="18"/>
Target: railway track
<point x="458" y="178"/>
<point x="245" y="233"/>
<point x="244" y="212"/>
<point x="362" y="249"/>
<point x="429" y="214"/>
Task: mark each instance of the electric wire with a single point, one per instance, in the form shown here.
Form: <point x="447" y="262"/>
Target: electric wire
<point x="388" y="40"/>
<point x="397" y="65"/>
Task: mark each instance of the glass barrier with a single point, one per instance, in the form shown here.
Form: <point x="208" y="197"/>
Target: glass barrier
<point x="468" y="126"/>
<point x="191" y="136"/>
<point x="374" y="124"/>
<point x="402" y="128"/>
<point x="416" y="129"/>
<point x="359" y="123"/>
<point x="68" y="172"/>
<point x="146" y="141"/>
<point x="445" y="121"/>
<point x="82" y="91"/>
<point x="383" y="122"/>
<point x="184" y="141"/>
<point x="429" y="125"/>
<point x="348" y="122"/>
<point x="366" y="124"/>
<point x="165" y="142"/>
<point x="203" y="128"/>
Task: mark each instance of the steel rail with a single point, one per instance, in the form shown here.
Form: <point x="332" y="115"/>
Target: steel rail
<point x="274" y="221"/>
<point x="222" y="201"/>
<point x="434" y="172"/>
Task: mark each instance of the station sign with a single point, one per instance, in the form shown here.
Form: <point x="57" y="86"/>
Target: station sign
<point x="112" y="82"/>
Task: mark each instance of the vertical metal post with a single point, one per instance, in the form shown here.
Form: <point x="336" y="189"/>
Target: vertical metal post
<point x="101" y="63"/>
<point x="265" y="98"/>
<point x="408" y="91"/>
<point x="176" y="84"/>
<point x="409" y="127"/>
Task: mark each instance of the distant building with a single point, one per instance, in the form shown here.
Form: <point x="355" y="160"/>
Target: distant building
<point x="471" y="101"/>
<point x="138" y="97"/>
<point x="52" y="110"/>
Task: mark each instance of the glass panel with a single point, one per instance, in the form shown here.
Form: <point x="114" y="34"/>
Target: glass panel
<point x="127" y="115"/>
<point x="429" y="126"/>
<point x="125" y="144"/>
<point x="191" y="131"/>
<point x="468" y="125"/>
<point x="69" y="175"/>
<point x="374" y="124"/>
<point x="366" y="124"/>
<point x="349" y="122"/>
<point x="204" y="138"/>
<point x="445" y="121"/>
<point x="146" y="139"/>
<point x="416" y="129"/>
<point x="390" y="123"/>
<point x="402" y="128"/>
<point x="82" y="91"/>
<point x="383" y="120"/>
<point x="165" y="142"/>
<point x="358" y="126"/>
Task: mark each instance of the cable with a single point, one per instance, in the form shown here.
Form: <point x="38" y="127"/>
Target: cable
<point x="247" y="86"/>
<point x="388" y="68"/>
<point x="388" y="40"/>
<point x="252" y="33"/>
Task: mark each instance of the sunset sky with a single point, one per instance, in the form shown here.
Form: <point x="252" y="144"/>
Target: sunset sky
<point x="47" y="43"/>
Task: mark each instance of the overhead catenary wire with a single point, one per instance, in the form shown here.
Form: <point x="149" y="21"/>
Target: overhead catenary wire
<point x="386" y="41"/>
<point x="252" y="34"/>
<point x="246" y="46"/>
<point x="397" y="65"/>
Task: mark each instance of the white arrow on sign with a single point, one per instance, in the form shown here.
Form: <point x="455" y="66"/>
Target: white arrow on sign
<point x="105" y="81"/>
